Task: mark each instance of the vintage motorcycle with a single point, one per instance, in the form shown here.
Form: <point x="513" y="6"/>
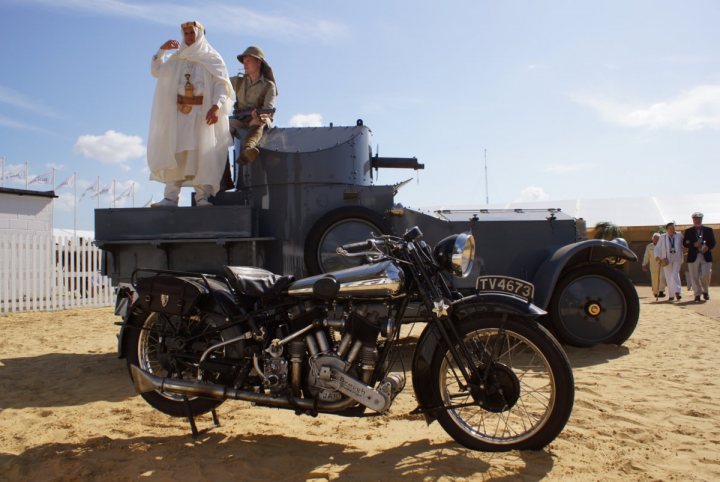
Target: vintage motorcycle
<point x="483" y="367"/>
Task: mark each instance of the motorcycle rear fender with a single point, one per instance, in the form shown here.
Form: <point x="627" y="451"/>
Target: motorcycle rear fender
<point x="220" y="301"/>
<point x="613" y="252"/>
<point x="430" y="338"/>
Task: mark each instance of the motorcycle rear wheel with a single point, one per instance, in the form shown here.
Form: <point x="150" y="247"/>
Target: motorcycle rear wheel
<point x="149" y="349"/>
<point x="528" y="395"/>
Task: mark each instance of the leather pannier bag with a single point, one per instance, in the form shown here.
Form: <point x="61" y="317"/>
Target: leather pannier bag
<point x="169" y="294"/>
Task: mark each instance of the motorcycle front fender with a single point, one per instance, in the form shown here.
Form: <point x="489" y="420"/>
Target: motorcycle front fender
<point x="430" y="339"/>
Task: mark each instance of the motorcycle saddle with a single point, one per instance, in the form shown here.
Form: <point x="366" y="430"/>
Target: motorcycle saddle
<point x="257" y="282"/>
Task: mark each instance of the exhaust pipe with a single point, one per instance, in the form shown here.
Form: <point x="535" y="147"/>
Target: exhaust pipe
<point x="147" y="382"/>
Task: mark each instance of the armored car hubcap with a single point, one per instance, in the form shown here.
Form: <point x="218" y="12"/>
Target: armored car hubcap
<point x="593" y="309"/>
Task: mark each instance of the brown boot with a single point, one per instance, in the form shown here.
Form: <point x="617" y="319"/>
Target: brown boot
<point x="249" y="155"/>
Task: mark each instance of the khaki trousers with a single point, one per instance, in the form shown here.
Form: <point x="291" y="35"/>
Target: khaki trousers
<point x="700" y="272"/>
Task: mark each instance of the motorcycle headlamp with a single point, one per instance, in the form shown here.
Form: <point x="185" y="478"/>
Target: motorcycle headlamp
<point x="456" y="254"/>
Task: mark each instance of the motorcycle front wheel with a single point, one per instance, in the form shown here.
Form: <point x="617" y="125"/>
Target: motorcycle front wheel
<point x="170" y="346"/>
<point x="525" y="393"/>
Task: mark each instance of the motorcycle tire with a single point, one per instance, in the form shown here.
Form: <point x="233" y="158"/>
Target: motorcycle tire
<point x="594" y="304"/>
<point x="149" y="352"/>
<point x="527" y="363"/>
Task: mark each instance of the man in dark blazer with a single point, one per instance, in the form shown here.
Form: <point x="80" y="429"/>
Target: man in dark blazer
<point x="699" y="240"/>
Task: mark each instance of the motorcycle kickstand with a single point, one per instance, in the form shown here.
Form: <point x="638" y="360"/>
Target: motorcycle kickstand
<point x="191" y="418"/>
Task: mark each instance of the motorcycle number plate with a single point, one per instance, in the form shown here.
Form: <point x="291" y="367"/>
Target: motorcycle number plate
<point x="507" y="285"/>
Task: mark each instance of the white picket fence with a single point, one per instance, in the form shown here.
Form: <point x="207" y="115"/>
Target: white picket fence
<point x="40" y="273"/>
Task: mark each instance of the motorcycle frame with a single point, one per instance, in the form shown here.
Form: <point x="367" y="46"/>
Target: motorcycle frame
<point x="425" y="279"/>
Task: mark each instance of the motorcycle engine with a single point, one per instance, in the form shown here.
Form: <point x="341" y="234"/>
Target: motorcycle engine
<point x="355" y="350"/>
<point x="275" y="371"/>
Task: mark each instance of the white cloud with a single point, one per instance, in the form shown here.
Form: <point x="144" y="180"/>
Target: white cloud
<point x="567" y="168"/>
<point x="695" y="109"/>
<point x="16" y="99"/>
<point x="111" y="148"/>
<point x="13" y="124"/>
<point x="306" y="120"/>
<point x="533" y="193"/>
<point x="229" y="17"/>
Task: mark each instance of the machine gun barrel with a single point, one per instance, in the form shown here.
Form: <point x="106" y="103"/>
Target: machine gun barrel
<point x="396" y="163"/>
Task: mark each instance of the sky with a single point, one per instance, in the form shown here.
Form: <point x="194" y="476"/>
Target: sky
<point x="565" y="99"/>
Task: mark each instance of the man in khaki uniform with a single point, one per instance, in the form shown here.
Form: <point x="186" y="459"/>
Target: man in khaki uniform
<point x="255" y="90"/>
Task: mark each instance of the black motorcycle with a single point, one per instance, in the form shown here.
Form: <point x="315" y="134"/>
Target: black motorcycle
<point x="483" y="368"/>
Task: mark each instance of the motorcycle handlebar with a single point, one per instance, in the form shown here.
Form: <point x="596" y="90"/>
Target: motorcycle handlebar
<point x="359" y="247"/>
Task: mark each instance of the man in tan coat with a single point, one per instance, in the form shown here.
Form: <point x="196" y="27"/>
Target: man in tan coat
<point x="657" y="277"/>
<point x="255" y="92"/>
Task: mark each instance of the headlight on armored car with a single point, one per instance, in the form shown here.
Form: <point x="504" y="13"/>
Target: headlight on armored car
<point x="456" y="254"/>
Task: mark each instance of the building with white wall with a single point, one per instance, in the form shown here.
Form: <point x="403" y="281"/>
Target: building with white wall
<point x="26" y="212"/>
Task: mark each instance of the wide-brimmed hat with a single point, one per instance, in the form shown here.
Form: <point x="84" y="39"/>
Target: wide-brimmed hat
<point x="265" y="68"/>
<point x="252" y="52"/>
<point x="697" y="214"/>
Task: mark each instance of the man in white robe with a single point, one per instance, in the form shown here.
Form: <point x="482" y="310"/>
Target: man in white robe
<point x="189" y="130"/>
<point x="670" y="248"/>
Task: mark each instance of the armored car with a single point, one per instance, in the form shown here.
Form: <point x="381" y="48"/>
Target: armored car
<point x="313" y="189"/>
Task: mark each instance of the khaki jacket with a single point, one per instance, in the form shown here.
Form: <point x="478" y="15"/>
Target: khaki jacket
<point x="258" y="95"/>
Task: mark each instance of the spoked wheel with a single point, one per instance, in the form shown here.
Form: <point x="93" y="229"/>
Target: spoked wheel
<point x="525" y="392"/>
<point x="171" y="346"/>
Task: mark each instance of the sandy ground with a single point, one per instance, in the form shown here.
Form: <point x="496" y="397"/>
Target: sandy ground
<point x="648" y="410"/>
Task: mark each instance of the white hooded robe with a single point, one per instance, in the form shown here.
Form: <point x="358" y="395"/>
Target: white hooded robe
<point x="172" y="132"/>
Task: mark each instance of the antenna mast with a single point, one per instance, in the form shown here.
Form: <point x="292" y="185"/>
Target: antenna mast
<point x="487" y="197"/>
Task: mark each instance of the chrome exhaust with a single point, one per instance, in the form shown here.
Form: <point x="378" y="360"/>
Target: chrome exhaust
<point x="147" y="382"/>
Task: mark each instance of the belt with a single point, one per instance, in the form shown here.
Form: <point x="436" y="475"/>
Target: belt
<point x="187" y="100"/>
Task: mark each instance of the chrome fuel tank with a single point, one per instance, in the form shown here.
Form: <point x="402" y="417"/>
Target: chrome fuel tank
<point x="377" y="280"/>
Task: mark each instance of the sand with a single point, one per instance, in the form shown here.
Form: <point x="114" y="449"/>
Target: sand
<point x="648" y="410"/>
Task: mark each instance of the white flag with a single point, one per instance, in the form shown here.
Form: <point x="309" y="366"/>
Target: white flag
<point x="126" y="193"/>
<point x="42" y="178"/>
<point x="18" y="172"/>
<point x="105" y="189"/>
<point x="69" y="182"/>
<point x="92" y="189"/>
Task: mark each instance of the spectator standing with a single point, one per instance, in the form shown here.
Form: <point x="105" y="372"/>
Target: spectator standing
<point x="699" y="240"/>
<point x="657" y="277"/>
<point x="668" y="252"/>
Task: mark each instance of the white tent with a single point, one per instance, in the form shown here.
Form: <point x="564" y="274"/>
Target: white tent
<point x="629" y="211"/>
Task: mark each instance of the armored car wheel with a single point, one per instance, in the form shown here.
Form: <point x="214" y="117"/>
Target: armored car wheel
<point x="594" y="304"/>
<point x="169" y="346"/>
<point x="340" y="226"/>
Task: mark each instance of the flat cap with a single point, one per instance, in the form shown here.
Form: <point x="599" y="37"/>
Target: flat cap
<point x="697" y="214"/>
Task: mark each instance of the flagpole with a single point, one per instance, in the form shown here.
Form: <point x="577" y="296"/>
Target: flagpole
<point x="113" y="194"/>
<point x="26" y="173"/>
<point x="132" y="187"/>
<point x="97" y="191"/>
<point x="52" y="204"/>
<point x="75" y="205"/>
